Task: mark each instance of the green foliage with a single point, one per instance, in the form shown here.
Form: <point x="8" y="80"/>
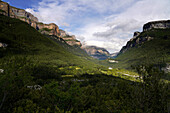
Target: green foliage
<point x="152" y="96"/>
<point x="155" y="51"/>
<point x="45" y="29"/>
<point x="35" y="78"/>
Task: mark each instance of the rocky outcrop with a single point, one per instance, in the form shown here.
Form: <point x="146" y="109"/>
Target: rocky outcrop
<point x="138" y="39"/>
<point x="69" y="39"/>
<point x="164" y="24"/>
<point x="63" y="33"/>
<point x="97" y="52"/>
<point x="3" y="45"/>
<point x="167" y="68"/>
<point x="48" y="29"/>
<point x="13" y="12"/>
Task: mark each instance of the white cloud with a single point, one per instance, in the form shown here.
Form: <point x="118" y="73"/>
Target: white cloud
<point x="104" y="23"/>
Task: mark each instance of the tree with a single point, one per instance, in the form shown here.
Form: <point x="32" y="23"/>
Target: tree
<point x="153" y="92"/>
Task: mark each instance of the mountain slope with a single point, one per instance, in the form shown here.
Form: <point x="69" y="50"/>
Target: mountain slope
<point x="97" y="52"/>
<point x="44" y="74"/>
<point x="22" y="39"/>
<point x="149" y="47"/>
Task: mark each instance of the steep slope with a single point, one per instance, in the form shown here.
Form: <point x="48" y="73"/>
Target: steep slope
<point x="22" y="39"/>
<point x="69" y="39"/>
<point x="97" y="52"/>
<point x="152" y="46"/>
<point x="47" y="29"/>
<point x="43" y="74"/>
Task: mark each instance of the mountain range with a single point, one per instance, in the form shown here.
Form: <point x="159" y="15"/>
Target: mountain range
<point x="43" y="69"/>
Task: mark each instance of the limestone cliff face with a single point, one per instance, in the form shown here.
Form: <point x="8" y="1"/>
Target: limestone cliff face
<point x="13" y="12"/>
<point x="138" y="39"/>
<point x="97" y="52"/>
<point x="48" y="29"/>
<point x="69" y="39"/>
<point x="157" y="25"/>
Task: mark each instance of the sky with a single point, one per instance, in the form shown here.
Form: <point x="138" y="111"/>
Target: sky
<point x="104" y="23"/>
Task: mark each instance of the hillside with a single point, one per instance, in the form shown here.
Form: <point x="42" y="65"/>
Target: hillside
<point x="152" y="46"/>
<point x="22" y="39"/>
<point x="47" y="29"/>
<point x="97" y="52"/>
<point x="41" y="72"/>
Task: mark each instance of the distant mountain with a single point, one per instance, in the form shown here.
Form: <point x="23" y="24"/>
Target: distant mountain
<point x="152" y="46"/>
<point x="114" y="55"/>
<point x="97" y="52"/>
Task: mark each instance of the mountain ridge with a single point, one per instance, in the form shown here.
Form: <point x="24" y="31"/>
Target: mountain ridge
<point x="150" y="47"/>
<point x="137" y="39"/>
<point x="48" y="29"/>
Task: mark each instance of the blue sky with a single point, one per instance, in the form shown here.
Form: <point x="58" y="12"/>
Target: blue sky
<point x="23" y="4"/>
<point x="104" y="23"/>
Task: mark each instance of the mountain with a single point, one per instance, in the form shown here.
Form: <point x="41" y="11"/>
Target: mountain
<point x="151" y="46"/>
<point x="70" y="39"/>
<point x="48" y="29"/>
<point x="19" y="38"/>
<point x="97" y="52"/>
<point x="42" y="73"/>
<point x="114" y="55"/>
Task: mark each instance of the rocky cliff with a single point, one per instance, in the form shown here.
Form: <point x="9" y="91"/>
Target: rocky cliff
<point x="97" y="52"/>
<point x="139" y="39"/>
<point x="48" y="29"/>
<point x="70" y="39"/>
<point x="157" y="25"/>
<point x="136" y="40"/>
<point x="13" y="12"/>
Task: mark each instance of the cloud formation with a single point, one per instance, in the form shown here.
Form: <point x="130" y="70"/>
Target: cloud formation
<point x="102" y="23"/>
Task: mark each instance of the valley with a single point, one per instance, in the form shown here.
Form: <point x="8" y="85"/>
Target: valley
<point x="44" y="69"/>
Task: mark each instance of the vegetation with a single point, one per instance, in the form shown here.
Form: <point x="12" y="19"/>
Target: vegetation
<point x="155" y="51"/>
<point x="44" y="74"/>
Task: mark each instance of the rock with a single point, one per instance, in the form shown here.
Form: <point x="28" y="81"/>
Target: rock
<point x="63" y="33"/>
<point x="97" y="52"/>
<point x="35" y="87"/>
<point x="48" y="29"/>
<point x="136" y="34"/>
<point x="1" y="71"/>
<point x="137" y="39"/>
<point x="3" y="45"/>
<point x="69" y="39"/>
<point x="157" y="25"/>
<point x="13" y="12"/>
<point x="166" y="69"/>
